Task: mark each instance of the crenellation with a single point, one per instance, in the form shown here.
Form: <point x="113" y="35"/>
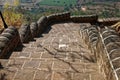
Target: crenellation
<point x="8" y="41"/>
<point x="42" y="24"/>
<point x="34" y="29"/>
<point x="25" y="33"/>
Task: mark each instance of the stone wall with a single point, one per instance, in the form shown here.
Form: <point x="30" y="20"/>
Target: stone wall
<point x="58" y="18"/>
<point x="108" y="21"/>
<point x="85" y="19"/>
<point x="104" y="60"/>
<point x="25" y="33"/>
<point x="111" y="44"/>
<point x="9" y="40"/>
<point x="34" y="29"/>
<point x="42" y="24"/>
<point x="103" y="42"/>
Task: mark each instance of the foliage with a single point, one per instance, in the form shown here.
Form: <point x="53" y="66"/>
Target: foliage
<point x="16" y="3"/>
<point x="11" y="16"/>
<point x="58" y="2"/>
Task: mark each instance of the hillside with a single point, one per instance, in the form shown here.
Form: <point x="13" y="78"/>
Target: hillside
<point x="58" y="2"/>
<point x="70" y="2"/>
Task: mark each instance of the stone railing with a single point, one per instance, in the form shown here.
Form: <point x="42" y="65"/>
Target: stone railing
<point x="105" y="44"/>
<point x="90" y="36"/>
<point x="110" y="53"/>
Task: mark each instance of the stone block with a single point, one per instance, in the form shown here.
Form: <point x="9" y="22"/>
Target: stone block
<point x="42" y="24"/>
<point x="9" y="40"/>
<point x="25" y="33"/>
<point x="34" y="29"/>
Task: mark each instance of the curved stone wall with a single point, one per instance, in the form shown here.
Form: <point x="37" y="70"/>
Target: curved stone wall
<point x="93" y="37"/>
<point x="105" y="44"/>
<point x="25" y="33"/>
<point x="85" y="19"/>
<point x="9" y="40"/>
<point x="90" y="35"/>
<point x="111" y="41"/>
<point x="34" y="29"/>
<point x="58" y="18"/>
<point x="42" y="24"/>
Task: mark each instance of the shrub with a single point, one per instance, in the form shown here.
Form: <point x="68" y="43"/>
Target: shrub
<point x="11" y="16"/>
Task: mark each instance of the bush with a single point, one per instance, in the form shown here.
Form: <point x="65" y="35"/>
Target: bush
<point x="11" y="16"/>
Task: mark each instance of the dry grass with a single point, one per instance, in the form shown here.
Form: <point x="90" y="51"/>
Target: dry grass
<point x="116" y="27"/>
<point x="12" y="18"/>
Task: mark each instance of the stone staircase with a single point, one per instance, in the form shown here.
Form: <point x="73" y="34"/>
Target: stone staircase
<point x="60" y="54"/>
<point x="61" y="47"/>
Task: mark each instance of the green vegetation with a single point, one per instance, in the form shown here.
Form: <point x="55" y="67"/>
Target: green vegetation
<point x="16" y="15"/>
<point x="58" y="2"/>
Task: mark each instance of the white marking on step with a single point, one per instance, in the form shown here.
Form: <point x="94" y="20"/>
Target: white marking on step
<point x="63" y="46"/>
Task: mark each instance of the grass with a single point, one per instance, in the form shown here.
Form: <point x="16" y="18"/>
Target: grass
<point x="58" y="2"/>
<point x="12" y="18"/>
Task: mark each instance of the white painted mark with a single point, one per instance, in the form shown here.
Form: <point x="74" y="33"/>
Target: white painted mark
<point x="63" y="46"/>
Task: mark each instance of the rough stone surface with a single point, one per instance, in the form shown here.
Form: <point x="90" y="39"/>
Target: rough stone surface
<point x="59" y="17"/>
<point x="109" y="56"/>
<point x="84" y="19"/>
<point x="34" y="29"/>
<point x="42" y="24"/>
<point x="9" y="40"/>
<point x="59" y="55"/>
<point x="25" y="33"/>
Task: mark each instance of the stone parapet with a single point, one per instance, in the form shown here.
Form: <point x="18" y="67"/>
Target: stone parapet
<point x="111" y="44"/>
<point x="34" y="29"/>
<point x="25" y="33"/>
<point x="59" y="18"/>
<point x="85" y="19"/>
<point x="104" y="43"/>
<point x="9" y="40"/>
<point x="42" y="24"/>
